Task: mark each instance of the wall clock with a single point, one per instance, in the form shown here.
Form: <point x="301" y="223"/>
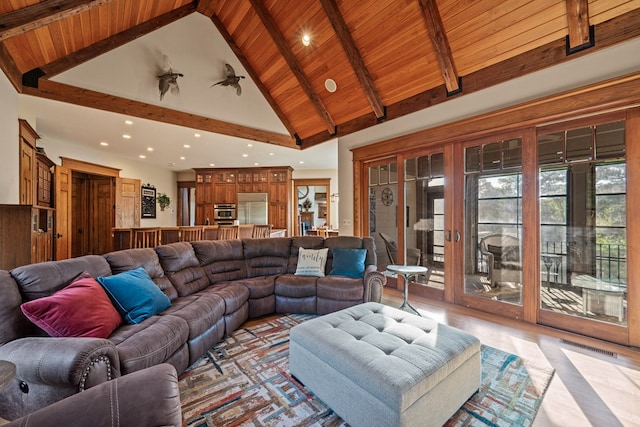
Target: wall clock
<point x="303" y="191"/>
<point x="387" y="196"/>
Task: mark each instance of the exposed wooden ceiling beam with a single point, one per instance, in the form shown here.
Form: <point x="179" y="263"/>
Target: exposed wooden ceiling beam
<point x="578" y="23"/>
<point x="296" y="68"/>
<point x="103" y="46"/>
<point x="207" y="7"/>
<point x="92" y="99"/>
<point x="357" y="63"/>
<point x="611" y="32"/>
<point x="10" y="68"/>
<point x="254" y="76"/>
<point x="44" y="13"/>
<point x="440" y="44"/>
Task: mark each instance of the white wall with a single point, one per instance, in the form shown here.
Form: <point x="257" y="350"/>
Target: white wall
<point x="163" y="179"/>
<point x="9" y="134"/>
<point x="615" y="61"/>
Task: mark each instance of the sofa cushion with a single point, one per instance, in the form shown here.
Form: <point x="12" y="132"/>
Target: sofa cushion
<point x="147" y="258"/>
<point x="289" y="285"/>
<point x="135" y="295"/>
<point x="350" y="242"/>
<point x="233" y="294"/>
<point x="181" y="265"/>
<point x="221" y="260"/>
<point x="82" y="309"/>
<point x="149" y="343"/>
<point x="201" y="311"/>
<point x="342" y="288"/>
<point x="45" y="278"/>
<point x="259" y="287"/>
<point x="348" y="262"/>
<point x="311" y="262"/>
<point x="266" y="257"/>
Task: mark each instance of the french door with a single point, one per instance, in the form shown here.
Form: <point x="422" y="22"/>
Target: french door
<point x="408" y="216"/>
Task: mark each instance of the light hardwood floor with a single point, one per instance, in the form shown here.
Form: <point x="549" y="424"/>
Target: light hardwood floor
<point x="594" y="386"/>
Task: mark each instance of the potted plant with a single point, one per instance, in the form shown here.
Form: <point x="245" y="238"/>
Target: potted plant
<point x="163" y="201"/>
<point x="306" y="204"/>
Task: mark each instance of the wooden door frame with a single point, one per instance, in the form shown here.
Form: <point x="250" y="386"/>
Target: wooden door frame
<point x="310" y="182"/>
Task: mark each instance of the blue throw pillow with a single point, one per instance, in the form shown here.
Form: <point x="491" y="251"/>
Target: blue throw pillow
<point x="348" y="262"/>
<point x="134" y="295"/>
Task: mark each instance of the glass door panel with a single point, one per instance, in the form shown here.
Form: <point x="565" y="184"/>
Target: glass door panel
<point x="583" y="241"/>
<point x="493" y="221"/>
<point x="383" y="212"/>
<point x="425" y="222"/>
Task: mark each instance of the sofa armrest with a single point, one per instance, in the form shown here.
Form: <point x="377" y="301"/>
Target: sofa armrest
<point x="374" y="282"/>
<point x="148" y="397"/>
<point x="50" y="369"/>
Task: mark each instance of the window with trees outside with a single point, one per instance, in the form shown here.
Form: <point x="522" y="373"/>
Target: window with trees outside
<point x="583" y="222"/>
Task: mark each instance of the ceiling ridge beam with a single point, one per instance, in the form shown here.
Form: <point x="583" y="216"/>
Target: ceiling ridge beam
<point x="611" y="32"/>
<point x="92" y="99"/>
<point x="353" y="54"/>
<point x="438" y="37"/>
<point x="252" y="73"/>
<point x="41" y="14"/>
<point x="294" y="65"/>
<point x="103" y="46"/>
<point x="580" y="36"/>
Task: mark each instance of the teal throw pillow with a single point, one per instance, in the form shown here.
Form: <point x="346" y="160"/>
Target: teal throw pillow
<point x="134" y="295"/>
<point x="348" y="262"/>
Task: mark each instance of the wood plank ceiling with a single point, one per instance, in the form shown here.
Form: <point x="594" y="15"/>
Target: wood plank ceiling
<point x="387" y="57"/>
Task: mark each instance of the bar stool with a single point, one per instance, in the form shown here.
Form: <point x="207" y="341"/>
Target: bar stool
<point x="261" y="231"/>
<point x="146" y="237"/>
<point x="190" y="233"/>
<point x="226" y="232"/>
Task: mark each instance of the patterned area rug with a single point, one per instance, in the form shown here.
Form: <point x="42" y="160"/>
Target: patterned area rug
<point x="245" y="381"/>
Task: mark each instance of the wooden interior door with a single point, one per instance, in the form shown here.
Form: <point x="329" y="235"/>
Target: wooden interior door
<point x="101" y="215"/>
<point x="127" y="203"/>
<point x="63" y="231"/>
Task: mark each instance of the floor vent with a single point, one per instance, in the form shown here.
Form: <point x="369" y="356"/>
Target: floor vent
<point x="588" y="347"/>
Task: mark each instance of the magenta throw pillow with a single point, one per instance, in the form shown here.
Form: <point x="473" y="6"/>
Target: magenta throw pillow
<point x="82" y="309"/>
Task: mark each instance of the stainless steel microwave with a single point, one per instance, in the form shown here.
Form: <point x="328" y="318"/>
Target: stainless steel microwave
<point x="224" y="211"/>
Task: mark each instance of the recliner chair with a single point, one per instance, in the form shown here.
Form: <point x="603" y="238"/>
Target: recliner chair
<point x="146" y="398"/>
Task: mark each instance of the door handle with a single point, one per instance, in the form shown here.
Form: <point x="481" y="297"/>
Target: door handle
<point x="448" y="235"/>
<point x="58" y="235"/>
<point x="457" y="236"/>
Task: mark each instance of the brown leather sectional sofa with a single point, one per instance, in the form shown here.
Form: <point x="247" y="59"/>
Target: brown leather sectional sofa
<point x="214" y="287"/>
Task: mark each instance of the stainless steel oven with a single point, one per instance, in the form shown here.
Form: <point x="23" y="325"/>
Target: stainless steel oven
<point x="224" y="212"/>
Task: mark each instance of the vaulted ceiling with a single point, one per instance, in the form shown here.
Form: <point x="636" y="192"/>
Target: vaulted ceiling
<point x="387" y="58"/>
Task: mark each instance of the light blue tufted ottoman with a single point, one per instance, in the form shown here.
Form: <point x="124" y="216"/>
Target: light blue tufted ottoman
<point x="375" y="365"/>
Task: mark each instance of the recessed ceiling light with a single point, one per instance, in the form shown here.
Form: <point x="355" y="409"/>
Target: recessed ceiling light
<point x="186" y="146"/>
<point x="197" y="135"/>
<point x="142" y="156"/>
<point x="301" y="161"/>
<point x="171" y="164"/>
<point x="330" y="85"/>
<point x="182" y="157"/>
<point x="126" y="136"/>
<point x="245" y="155"/>
<point x="212" y="164"/>
<point x="271" y="154"/>
<point x="249" y="145"/>
<point x="306" y="39"/>
<point x="149" y="148"/>
<point x="104" y="144"/>
<point x="128" y="122"/>
<point x="256" y="164"/>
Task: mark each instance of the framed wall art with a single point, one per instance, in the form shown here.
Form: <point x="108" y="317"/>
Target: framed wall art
<point x="148" y="201"/>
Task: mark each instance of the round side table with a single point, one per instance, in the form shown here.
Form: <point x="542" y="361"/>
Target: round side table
<point x="406" y="271"/>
